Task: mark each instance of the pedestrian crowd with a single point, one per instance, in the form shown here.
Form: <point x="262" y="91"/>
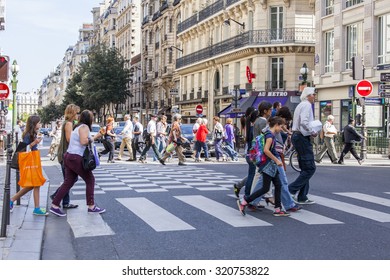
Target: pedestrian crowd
<point x="267" y="131"/>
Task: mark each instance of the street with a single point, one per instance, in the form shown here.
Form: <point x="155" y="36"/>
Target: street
<point x="190" y="212"/>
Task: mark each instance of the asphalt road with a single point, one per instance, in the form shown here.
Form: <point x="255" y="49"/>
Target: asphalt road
<point x="173" y="212"/>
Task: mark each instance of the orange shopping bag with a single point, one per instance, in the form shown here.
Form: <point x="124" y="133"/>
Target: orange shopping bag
<point x="30" y="169"/>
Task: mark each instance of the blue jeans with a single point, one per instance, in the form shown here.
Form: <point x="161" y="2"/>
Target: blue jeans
<point x="251" y="175"/>
<point x="230" y="150"/>
<point x="306" y="163"/>
<point x="287" y="200"/>
<point x="199" y="145"/>
<point x="218" y="149"/>
<point x="160" y="144"/>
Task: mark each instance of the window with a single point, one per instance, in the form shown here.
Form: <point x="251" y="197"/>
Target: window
<point x="329" y="7"/>
<point x="325" y="110"/>
<point x="277" y="73"/>
<point x="384" y="39"/>
<point x="329" y="49"/>
<point x="276" y="23"/>
<point x="350" y="3"/>
<point x="354" y="43"/>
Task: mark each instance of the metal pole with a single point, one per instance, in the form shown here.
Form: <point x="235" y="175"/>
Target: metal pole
<point x="17" y="173"/>
<point x="7" y="187"/>
<point x="236" y="106"/>
<point x="363" y="151"/>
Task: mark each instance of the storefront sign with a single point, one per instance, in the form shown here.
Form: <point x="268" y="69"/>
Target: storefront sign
<point x="273" y="93"/>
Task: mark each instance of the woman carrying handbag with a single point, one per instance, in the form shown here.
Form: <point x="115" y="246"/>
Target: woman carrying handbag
<point x="73" y="161"/>
<point x="31" y="139"/>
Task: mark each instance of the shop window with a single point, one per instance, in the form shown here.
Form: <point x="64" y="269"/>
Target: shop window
<point x="325" y="110"/>
<point x="346" y="113"/>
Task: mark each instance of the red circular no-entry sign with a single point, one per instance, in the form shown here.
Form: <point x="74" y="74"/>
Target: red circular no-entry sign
<point x="4" y="91"/>
<point x="364" y="88"/>
<point x="199" y="109"/>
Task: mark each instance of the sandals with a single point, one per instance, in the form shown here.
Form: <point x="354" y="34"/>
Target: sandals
<point x="69" y="206"/>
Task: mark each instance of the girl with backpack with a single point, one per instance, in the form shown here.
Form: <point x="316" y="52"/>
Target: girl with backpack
<point x="269" y="170"/>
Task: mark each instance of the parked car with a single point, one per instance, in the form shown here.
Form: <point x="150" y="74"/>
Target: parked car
<point x="94" y="130"/>
<point x="118" y="138"/>
<point x="45" y="131"/>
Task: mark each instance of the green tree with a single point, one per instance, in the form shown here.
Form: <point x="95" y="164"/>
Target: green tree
<point x="50" y="113"/>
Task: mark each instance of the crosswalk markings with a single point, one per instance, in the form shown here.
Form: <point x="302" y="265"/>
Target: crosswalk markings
<point x="368" y="198"/>
<point x="142" y="185"/>
<point x="202" y="184"/>
<point x="177" y="187"/>
<point x="134" y="180"/>
<point x="155" y="216"/>
<point x="212" y="189"/>
<point x="85" y="224"/>
<point x="150" y="190"/>
<point x="352" y="209"/>
<point x="111" y="184"/>
<point x="116" y="189"/>
<point x="83" y="192"/>
<point x="222" y="212"/>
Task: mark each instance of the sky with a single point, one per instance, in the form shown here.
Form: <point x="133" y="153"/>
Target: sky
<point x="38" y="32"/>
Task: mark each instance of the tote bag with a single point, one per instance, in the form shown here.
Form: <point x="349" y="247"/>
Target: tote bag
<point x="30" y="169"/>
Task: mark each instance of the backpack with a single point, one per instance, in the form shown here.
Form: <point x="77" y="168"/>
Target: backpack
<point x="145" y="135"/>
<point x="256" y="152"/>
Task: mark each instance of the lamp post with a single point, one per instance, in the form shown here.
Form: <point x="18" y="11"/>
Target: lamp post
<point x="227" y="22"/>
<point x="14" y="82"/>
<point x="304" y="70"/>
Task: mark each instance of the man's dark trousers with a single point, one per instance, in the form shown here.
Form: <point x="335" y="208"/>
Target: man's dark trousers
<point x="304" y="149"/>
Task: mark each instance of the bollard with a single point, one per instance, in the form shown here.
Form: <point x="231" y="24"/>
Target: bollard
<point x="7" y="188"/>
<point x="17" y="172"/>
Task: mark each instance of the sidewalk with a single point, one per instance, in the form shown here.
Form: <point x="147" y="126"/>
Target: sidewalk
<point x="373" y="160"/>
<point x="25" y="231"/>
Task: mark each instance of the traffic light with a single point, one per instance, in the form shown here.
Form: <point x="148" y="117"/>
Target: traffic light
<point x="4" y="68"/>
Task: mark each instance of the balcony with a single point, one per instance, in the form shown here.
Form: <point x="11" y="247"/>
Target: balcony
<point x="231" y="2"/>
<point x="184" y="97"/>
<point x="156" y="74"/>
<point x="211" y="10"/>
<point x="187" y="23"/>
<point x="176" y="2"/>
<point x="192" y="95"/>
<point x="156" y="15"/>
<point x="250" y="38"/>
<point x="164" y="6"/>
<point x="146" y="20"/>
<point x="157" y="45"/>
<point x="275" y="85"/>
<point x="198" y="95"/>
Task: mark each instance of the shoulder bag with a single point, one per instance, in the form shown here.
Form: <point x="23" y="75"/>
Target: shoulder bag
<point x="89" y="160"/>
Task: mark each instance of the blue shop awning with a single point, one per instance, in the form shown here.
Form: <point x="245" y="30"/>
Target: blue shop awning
<point x="243" y="105"/>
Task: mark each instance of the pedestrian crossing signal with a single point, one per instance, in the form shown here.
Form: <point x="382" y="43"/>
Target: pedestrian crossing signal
<point x="4" y="70"/>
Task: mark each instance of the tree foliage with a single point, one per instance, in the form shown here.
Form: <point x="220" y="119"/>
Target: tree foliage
<point x="101" y="82"/>
<point x="50" y="113"/>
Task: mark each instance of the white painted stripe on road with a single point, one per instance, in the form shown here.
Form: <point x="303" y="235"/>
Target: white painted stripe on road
<point x="105" y="179"/>
<point x="142" y="185"/>
<point x="157" y="178"/>
<point x="222" y="212"/>
<point x="150" y="190"/>
<point x="110" y="183"/>
<point x="352" y="209"/>
<point x="189" y="180"/>
<point x="177" y="187"/>
<point x="201" y="184"/>
<point x="84" y="224"/>
<point x="368" y="198"/>
<point x="127" y="176"/>
<point x="227" y="186"/>
<point x="135" y="180"/>
<point x="117" y="189"/>
<point x="212" y="189"/>
<point x="102" y="175"/>
<point x="83" y="192"/>
<point x="156" y="217"/>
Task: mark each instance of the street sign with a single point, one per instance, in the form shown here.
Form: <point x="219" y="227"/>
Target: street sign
<point x="383" y="86"/>
<point x="236" y="110"/>
<point x="199" y="109"/>
<point x="364" y="88"/>
<point x="250" y="75"/>
<point x="384" y="94"/>
<point x="4" y="91"/>
<point x="174" y="91"/>
<point x="385" y="77"/>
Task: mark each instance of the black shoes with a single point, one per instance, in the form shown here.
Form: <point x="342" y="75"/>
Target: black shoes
<point x="161" y="161"/>
<point x="182" y="164"/>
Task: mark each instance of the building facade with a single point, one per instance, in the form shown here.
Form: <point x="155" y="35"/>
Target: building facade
<point x="221" y="42"/>
<point x="27" y="104"/>
<point x="347" y="29"/>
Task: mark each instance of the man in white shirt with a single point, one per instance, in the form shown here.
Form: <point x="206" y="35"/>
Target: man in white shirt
<point x="329" y="132"/>
<point x="302" y="131"/>
<point x="127" y="133"/>
<point x="150" y="140"/>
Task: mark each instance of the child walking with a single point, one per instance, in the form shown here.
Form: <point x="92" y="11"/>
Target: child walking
<point x="31" y="138"/>
<point x="275" y="126"/>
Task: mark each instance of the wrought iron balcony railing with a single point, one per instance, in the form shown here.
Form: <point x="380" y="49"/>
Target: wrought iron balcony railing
<point x="176" y="2"/>
<point x="187" y="23"/>
<point x="211" y="10"/>
<point x="164" y="6"/>
<point x="249" y="39"/>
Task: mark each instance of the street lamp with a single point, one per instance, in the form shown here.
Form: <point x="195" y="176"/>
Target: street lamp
<point x="227" y="22"/>
<point x="304" y="70"/>
<point x="14" y="82"/>
<point x="173" y="47"/>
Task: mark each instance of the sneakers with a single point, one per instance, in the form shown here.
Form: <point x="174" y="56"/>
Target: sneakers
<point x="307" y="202"/>
<point x="295" y="208"/>
<point x="40" y="212"/>
<point x="241" y="206"/>
<point x="360" y="161"/>
<point x="236" y="190"/>
<point x="96" y="209"/>
<point x="182" y="163"/>
<point x="280" y="213"/>
<point x="57" y="211"/>
<point x="142" y="160"/>
<point x="207" y="159"/>
<point x="11" y="206"/>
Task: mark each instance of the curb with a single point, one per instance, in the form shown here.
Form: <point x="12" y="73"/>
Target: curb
<point x="25" y="232"/>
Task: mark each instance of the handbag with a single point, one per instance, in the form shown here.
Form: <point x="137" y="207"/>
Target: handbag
<point x="30" y="169"/>
<point x="170" y="147"/>
<point x="15" y="158"/>
<point x="95" y="153"/>
<point x="89" y="161"/>
<point x="270" y="169"/>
